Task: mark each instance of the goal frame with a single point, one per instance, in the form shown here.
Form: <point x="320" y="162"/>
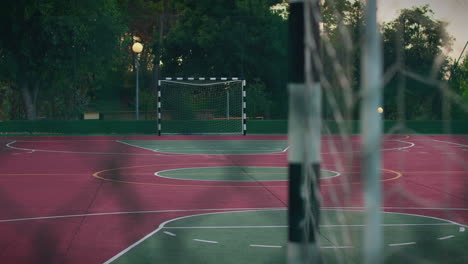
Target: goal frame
<point x="213" y="79"/>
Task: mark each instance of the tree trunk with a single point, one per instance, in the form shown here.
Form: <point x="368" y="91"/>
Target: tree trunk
<point x="30" y="99"/>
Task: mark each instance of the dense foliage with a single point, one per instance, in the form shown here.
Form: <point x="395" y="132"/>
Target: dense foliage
<point x="55" y="52"/>
<point x="60" y="58"/>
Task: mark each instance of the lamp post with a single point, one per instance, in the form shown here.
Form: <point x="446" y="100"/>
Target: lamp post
<point x="137" y="48"/>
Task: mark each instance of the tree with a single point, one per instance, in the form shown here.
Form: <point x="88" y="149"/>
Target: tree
<point x="413" y="44"/>
<point x="459" y="85"/>
<point x="343" y="21"/>
<point x="57" y="48"/>
<point x="242" y="38"/>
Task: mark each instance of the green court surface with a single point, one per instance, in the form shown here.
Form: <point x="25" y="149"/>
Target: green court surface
<point x="221" y="147"/>
<point x="261" y="237"/>
<point x="234" y="174"/>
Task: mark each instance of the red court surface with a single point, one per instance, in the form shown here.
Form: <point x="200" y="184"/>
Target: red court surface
<point x="85" y="199"/>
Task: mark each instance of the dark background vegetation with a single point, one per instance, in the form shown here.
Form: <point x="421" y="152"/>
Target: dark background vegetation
<point x="61" y="58"/>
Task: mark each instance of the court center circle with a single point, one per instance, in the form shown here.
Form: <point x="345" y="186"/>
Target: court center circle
<point x="234" y="173"/>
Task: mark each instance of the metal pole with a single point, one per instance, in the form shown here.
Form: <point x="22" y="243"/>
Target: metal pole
<point x="313" y="123"/>
<point x="371" y="129"/>
<point x="227" y="104"/>
<point x="137" y="66"/>
<point x="244" y="106"/>
<point x="304" y="168"/>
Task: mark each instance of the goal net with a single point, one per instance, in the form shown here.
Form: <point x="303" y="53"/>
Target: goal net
<point x="392" y="108"/>
<point x="201" y="106"/>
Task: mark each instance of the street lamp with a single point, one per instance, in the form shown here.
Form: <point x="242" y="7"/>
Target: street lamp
<point x="137" y="48"/>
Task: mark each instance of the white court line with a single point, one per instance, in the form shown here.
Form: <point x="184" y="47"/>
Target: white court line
<point x="169" y="233"/>
<point x="402" y="208"/>
<point x="402" y="244"/>
<point x="337" y="247"/>
<point x="162" y="153"/>
<point x="462" y="228"/>
<point x="221" y="227"/>
<point x="157" y="152"/>
<point x="450" y="143"/>
<point x="266" y="246"/>
<point x="162" y="226"/>
<point x="128" y="144"/>
<point x="383" y="149"/>
<point x="445" y="237"/>
<point x="284" y="150"/>
<point x="244" y="151"/>
<point x="87" y="152"/>
<point x="435" y="224"/>
<point x="284" y="226"/>
<point x="136" y="212"/>
<point x="205" y="241"/>
<point x="157" y="174"/>
<point x="407" y="142"/>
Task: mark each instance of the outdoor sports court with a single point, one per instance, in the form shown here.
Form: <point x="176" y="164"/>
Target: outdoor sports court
<point x="220" y="199"/>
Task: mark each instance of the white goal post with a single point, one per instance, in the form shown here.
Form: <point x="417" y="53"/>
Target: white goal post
<point x="200" y="105"/>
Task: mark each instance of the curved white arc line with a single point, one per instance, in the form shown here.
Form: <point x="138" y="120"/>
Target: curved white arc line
<point x="162" y="153"/>
<point x="452" y="143"/>
<point x="359" y="209"/>
<point x="162" y="226"/>
<point x="407" y="142"/>
<point x="384" y="149"/>
<point x="430" y="217"/>
<point x="222" y="154"/>
<point x="167" y="177"/>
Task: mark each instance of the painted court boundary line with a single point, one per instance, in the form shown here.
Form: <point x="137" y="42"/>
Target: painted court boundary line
<point x="161" y="153"/>
<point x="447" y="142"/>
<point x="216" y="209"/>
<point x="84" y="152"/>
<point x="135" y="212"/>
<point x="323" y="226"/>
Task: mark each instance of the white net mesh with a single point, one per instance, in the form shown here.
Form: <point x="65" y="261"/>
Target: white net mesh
<point x="201" y="106"/>
<point x="424" y="167"/>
